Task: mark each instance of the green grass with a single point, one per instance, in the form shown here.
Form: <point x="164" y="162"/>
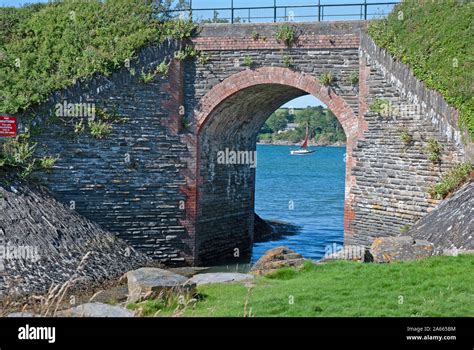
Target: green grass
<point x="435" y="39"/>
<point x="438" y="286"/>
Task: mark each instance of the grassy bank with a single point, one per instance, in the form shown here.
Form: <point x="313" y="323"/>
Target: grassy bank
<point x="435" y="39"/>
<point x="438" y="286"/>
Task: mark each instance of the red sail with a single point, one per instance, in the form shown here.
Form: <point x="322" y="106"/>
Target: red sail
<point x="305" y="143"/>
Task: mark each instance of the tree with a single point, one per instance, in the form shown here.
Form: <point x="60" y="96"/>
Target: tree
<point x="278" y="120"/>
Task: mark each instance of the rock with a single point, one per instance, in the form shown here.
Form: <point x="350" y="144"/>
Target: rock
<point x="113" y="295"/>
<point x="96" y="310"/>
<point x="262" y="230"/>
<point x="450" y="226"/>
<point x="349" y="252"/>
<point x="22" y="314"/>
<point x="149" y="282"/>
<point x="275" y="259"/>
<point x="220" y="277"/>
<point x="388" y="249"/>
<point x="188" y="271"/>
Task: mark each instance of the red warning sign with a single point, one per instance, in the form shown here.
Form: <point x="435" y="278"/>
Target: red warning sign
<point x="7" y="126"/>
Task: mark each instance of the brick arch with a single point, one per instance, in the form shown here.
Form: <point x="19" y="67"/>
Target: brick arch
<point x="277" y="75"/>
<point x="237" y="94"/>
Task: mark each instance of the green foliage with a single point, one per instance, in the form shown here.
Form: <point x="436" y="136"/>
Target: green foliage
<point x="327" y="79"/>
<point x="287" y="34"/>
<point x="435" y="39"/>
<point x="433" y="149"/>
<point x="404" y="229"/>
<point x="287" y="61"/>
<point x="188" y="52"/>
<point x="178" y="29"/>
<point x="203" y="58"/>
<point x="451" y="181"/>
<point x="255" y="36"/>
<point x="248" y="61"/>
<point x="47" y="162"/>
<point x="406" y="137"/>
<point x="162" y="69"/>
<point x="18" y="152"/>
<point x="99" y="129"/>
<point x="56" y="44"/>
<point x="146" y="78"/>
<point x="323" y="126"/>
<point x="17" y="156"/>
<point x="381" y="106"/>
<point x="354" y="78"/>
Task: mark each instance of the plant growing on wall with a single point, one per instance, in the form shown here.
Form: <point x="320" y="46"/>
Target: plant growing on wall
<point x="255" y="36"/>
<point x="433" y="149"/>
<point x="146" y="78"/>
<point x="382" y="107"/>
<point x="99" y="129"/>
<point x="249" y="62"/>
<point x="162" y="69"/>
<point x="451" y="181"/>
<point x="287" y="61"/>
<point x="354" y="78"/>
<point x="406" y="137"/>
<point x="203" y="58"/>
<point x="327" y="79"/>
<point x="287" y="34"/>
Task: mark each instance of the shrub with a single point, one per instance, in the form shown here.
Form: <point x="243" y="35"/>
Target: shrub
<point x="255" y="36"/>
<point x="287" y="61"/>
<point x="286" y="34"/>
<point x="327" y="79"/>
<point x="248" y="61"/>
<point x="99" y="129"/>
<point x="406" y="137"/>
<point x="146" y="78"/>
<point x="47" y="162"/>
<point x="451" y="181"/>
<point x="354" y="78"/>
<point x="162" y="69"/>
<point x="433" y="150"/>
<point x="382" y="107"/>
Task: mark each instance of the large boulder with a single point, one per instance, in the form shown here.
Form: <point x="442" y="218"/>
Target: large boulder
<point x="388" y="249"/>
<point x="275" y="259"/>
<point x="348" y="252"/>
<point x="150" y="282"/>
<point x="220" y="277"/>
<point x="96" y="310"/>
<point x="450" y="226"/>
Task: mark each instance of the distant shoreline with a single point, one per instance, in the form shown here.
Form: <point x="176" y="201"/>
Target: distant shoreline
<point x="310" y="144"/>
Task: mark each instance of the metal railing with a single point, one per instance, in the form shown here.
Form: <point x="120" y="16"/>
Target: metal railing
<point x="287" y="13"/>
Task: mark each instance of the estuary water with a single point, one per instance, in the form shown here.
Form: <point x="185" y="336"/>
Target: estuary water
<point x="306" y="191"/>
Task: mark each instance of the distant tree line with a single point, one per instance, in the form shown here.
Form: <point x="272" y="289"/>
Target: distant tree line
<point x="323" y="125"/>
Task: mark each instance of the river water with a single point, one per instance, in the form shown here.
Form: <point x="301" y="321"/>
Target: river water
<point x="307" y="191"/>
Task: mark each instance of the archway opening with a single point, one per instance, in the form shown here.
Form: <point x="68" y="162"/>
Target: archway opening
<point x="299" y="199"/>
<point x="229" y="119"/>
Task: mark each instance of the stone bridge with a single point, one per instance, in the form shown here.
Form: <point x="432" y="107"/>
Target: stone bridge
<point x="156" y="182"/>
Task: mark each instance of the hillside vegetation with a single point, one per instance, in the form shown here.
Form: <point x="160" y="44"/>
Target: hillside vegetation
<point x="323" y="126"/>
<point x="47" y="47"/>
<point x="435" y="38"/>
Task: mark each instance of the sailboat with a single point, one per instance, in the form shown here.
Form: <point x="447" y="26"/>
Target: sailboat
<point x="304" y="147"/>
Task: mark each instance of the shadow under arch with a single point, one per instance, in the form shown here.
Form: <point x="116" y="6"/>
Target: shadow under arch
<point x="228" y="118"/>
